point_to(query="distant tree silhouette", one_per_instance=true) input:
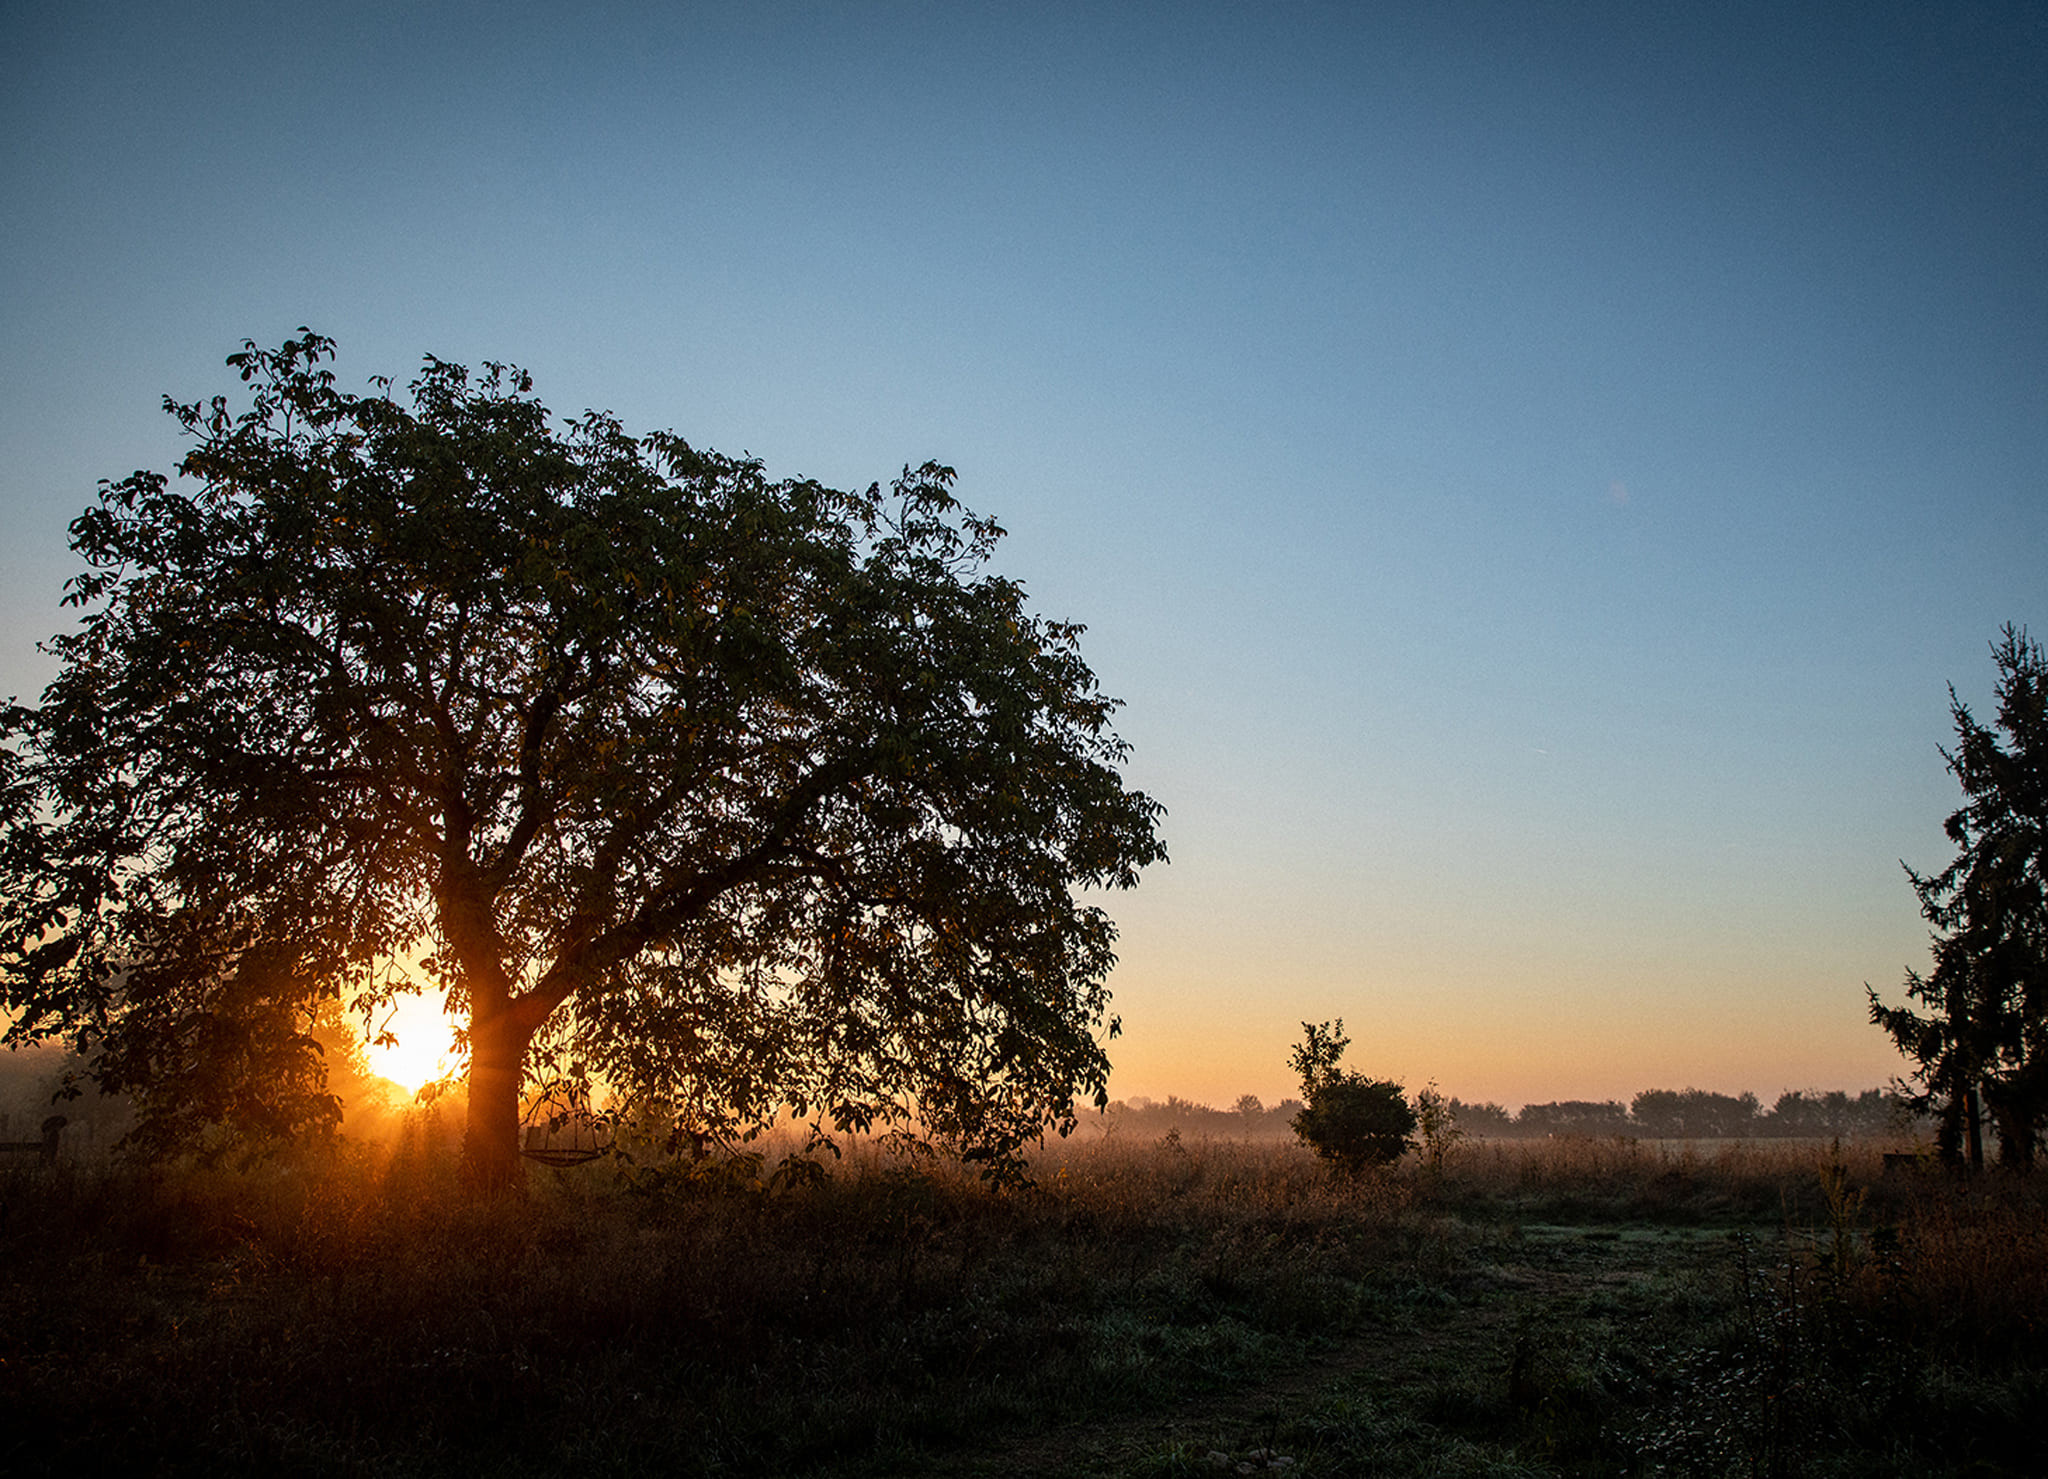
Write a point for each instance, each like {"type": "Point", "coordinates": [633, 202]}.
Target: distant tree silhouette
{"type": "Point", "coordinates": [738, 793]}
{"type": "Point", "coordinates": [1694, 1114]}
{"type": "Point", "coordinates": [1980, 1046]}
{"type": "Point", "coordinates": [1348, 1119]}
{"type": "Point", "coordinates": [1247, 1118]}
{"type": "Point", "coordinates": [1834, 1113]}
{"type": "Point", "coordinates": [1486, 1118]}
{"type": "Point", "coordinates": [1576, 1117]}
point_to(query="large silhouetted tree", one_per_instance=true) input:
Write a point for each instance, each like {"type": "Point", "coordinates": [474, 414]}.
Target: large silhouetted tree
{"type": "Point", "coordinates": [1980, 1047]}
{"type": "Point", "coordinates": [740, 794]}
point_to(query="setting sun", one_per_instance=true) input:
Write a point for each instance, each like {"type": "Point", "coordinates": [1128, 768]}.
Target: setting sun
{"type": "Point", "coordinates": [425, 1046]}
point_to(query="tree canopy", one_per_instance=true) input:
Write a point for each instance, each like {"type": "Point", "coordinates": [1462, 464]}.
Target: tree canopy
{"type": "Point", "coordinates": [736, 793]}
{"type": "Point", "coordinates": [1980, 1047]}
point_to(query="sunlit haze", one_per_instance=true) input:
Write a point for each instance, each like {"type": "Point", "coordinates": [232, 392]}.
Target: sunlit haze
{"type": "Point", "coordinates": [1531, 472]}
{"type": "Point", "coordinates": [423, 1048]}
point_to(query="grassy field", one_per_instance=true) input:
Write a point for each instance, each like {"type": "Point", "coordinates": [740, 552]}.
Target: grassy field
{"type": "Point", "coordinates": [1157, 1308]}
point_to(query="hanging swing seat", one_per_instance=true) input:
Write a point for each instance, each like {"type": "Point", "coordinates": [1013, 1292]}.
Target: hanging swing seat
{"type": "Point", "coordinates": [566, 1138]}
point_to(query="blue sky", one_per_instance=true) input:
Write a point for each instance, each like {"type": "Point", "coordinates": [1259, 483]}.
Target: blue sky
{"type": "Point", "coordinates": [1530, 471]}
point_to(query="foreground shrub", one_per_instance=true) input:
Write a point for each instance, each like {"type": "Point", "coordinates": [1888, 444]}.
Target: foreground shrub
{"type": "Point", "coordinates": [1350, 1120]}
{"type": "Point", "coordinates": [1354, 1122]}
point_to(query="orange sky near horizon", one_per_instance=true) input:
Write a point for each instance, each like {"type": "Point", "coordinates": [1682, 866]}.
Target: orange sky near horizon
{"type": "Point", "coordinates": [1551, 1044]}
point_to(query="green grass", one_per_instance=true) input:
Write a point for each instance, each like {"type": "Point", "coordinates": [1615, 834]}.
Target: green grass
{"type": "Point", "coordinates": [1201, 1308]}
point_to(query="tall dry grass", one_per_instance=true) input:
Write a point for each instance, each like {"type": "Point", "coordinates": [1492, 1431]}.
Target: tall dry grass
{"type": "Point", "coordinates": [689, 1318]}
{"type": "Point", "coordinates": [360, 1315]}
{"type": "Point", "coordinates": [1622, 1178]}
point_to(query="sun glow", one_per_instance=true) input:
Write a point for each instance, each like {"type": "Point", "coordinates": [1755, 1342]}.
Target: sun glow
{"type": "Point", "coordinates": [425, 1046]}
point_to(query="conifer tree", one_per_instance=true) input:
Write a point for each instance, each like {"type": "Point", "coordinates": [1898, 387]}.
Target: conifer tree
{"type": "Point", "coordinates": [1979, 1040]}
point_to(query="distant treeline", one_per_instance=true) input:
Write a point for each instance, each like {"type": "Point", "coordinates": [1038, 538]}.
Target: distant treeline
{"type": "Point", "coordinates": [1654, 1114]}
{"type": "Point", "coordinates": [28, 1077]}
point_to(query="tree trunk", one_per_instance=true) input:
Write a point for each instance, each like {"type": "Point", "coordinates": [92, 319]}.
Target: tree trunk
{"type": "Point", "coordinates": [1973, 1127]}
{"type": "Point", "coordinates": [490, 1144]}
{"type": "Point", "coordinates": [2015, 1131]}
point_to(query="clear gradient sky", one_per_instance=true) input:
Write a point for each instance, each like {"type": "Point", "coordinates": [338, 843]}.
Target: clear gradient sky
{"type": "Point", "coordinates": [1530, 470]}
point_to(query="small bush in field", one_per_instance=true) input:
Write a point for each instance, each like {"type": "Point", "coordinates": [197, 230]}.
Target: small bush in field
{"type": "Point", "coordinates": [1438, 1121]}
{"type": "Point", "coordinates": [1349, 1120]}
{"type": "Point", "coordinates": [1354, 1121]}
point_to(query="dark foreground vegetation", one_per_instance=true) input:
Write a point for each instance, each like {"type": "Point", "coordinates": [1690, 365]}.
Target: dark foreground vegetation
{"type": "Point", "coordinates": [1147, 1308]}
